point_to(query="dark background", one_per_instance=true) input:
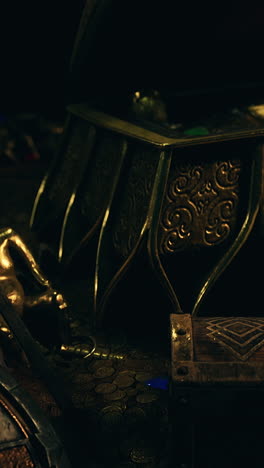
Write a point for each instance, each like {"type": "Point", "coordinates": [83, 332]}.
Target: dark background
{"type": "Point", "coordinates": [36, 40]}
{"type": "Point", "coordinates": [173, 45]}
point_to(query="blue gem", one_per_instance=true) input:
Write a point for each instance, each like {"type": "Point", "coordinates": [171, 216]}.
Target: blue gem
{"type": "Point", "coordinates": [159, 382]}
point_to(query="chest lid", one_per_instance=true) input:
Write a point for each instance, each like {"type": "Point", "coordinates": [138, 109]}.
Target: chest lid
{"type": "Point", "coordinates": [222, 350]}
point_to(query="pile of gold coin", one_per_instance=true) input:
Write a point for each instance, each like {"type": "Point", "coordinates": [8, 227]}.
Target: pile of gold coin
{"type": "Point", "coordinates": [129, 416]}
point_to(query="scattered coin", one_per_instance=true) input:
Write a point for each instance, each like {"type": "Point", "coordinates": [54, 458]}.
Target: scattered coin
{"type": "Point", "coordinates": [143, 376]}
{"type": "Point", "coordinates": [147, 397]}
{"type": "Point", "coordinates": [131, 391]}
{"type": "Point", "coordinates": [127, 372]}
{"type": "Point", "coordinates": [115, 396]}
{"type": "Point", "coordinates": [110, 408]}
{"type": "Point", "coordinates": [124, 381]}
{"type": "Point", "coordinates": [142, 455]}
{"type": "Point", "coordinates": [129, 405]}
{"type": "Point", "coordinates": [128, 444]}
{"type": "Point", "coordinates": [105, 388]}
{"type": "Point", "coordinates": [103, 372]}
{"type": "Point", "coordinates": [111, 417]}
{"type": "Point", "coordinates": [98, 363]}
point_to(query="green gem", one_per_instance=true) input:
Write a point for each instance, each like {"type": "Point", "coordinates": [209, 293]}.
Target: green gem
{"type": "Point", "coordinates": [197, 131]}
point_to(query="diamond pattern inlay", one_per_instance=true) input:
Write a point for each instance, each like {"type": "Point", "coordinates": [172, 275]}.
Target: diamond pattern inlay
{"type": "Point", "coordinates": [242, 336]}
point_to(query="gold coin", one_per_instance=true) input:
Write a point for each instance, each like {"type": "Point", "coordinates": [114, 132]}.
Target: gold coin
{"type": "Point", "coordinates": [110, 409]}
{"type": "Point", "coordinates": [143, 376]}
{"type": "Point", "coordinates": [115, 396]}
{"type": "Point", "coordinates": [98, 363]}
{"type": "Point", "coordinates": [105, 388]}
{"type": "Point", "coordinates": [127, 372]}
{"type": "Point", "coordinates": [131, 391]}
{"type": "Point", "coordinates": [126, 445]}
{"type": "Point", "coordinates": [142, 455]}
{"type": "Point", "coordinates": [111, 416]}
{"type": "Point", "coordinates": [103, 372]}
{"type": "Point", "coordinates": [124, 381]}
{"type": "Point", "coordinates": [147, 397]}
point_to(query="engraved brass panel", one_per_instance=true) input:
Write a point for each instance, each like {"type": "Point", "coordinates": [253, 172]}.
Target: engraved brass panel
{"type": "Point", "coordinates": [200, 207]}
{"type": "Point", "coordinates": [134, 204]}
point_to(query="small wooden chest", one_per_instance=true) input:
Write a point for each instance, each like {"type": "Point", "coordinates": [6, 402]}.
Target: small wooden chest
{"type": "Point", "coordinates": [217, 390]}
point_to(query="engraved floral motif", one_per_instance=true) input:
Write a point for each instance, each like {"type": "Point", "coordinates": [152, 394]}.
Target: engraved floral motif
{"type": "Point", "coordinates": [227, 173]}
{"type": "Point", "coordinates": [186, 181]}
{"type": "Point", "coordinates": [203, 198]}
{"type": "Point", "coordinates": [218, 226]}
{"type": "Point", "coordinates": [200, 205]}
{"type": "Point", "coordinates": [178, 221]}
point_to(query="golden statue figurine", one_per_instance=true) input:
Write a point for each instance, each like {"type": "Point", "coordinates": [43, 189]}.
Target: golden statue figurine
{"type": "Point", "coordinates": [12, 288]}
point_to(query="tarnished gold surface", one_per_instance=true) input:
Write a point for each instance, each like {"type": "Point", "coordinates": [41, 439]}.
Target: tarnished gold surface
{"type": "Point", "coordinates": [149, 106]}
{"type": "Point", "coordinates": [5, 331]}
{"type": "Point", "coordinates": [181, 336]}
{"type": "Point", "coordinates": [257, 111]}
{"type": "Point", "coordinates": [82, 350]}
{"type": "Point", "coordinates": [157, 139]}
{"type": "Point", "coordinates": [16, 457]}
{"type": "Point", "coordinates": [11, 287]}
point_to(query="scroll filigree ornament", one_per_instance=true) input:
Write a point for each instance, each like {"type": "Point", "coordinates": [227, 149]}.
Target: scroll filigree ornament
{"type": "Point", "coordinates": [200, 205]}
{"type": "Point", "coordinates": [178, 222]}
